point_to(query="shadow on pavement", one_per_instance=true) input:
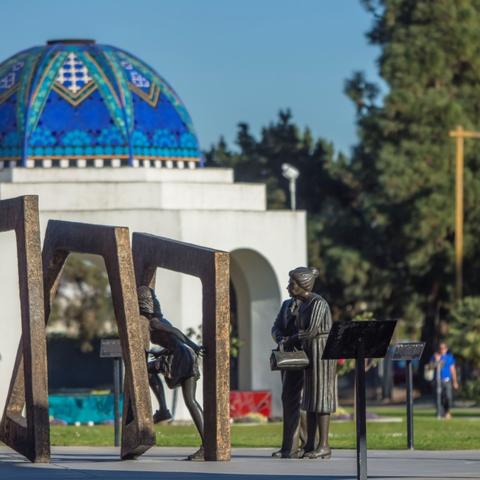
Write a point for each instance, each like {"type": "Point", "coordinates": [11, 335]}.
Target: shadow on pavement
{"type": "Point", "coordinates": [12, 471]}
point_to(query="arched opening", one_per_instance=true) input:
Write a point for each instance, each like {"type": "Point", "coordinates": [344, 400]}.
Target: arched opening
{"type": "Point", "coordinates": [256, 301]}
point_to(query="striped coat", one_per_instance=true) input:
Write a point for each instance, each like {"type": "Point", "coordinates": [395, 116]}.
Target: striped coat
{"type": "Point", "coordinates": [320, 382]}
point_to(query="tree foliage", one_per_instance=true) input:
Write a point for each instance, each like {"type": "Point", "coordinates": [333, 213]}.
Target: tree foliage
{"type": "Point", "coordinates": [381, 223]}
{"type": "Point", "coordinates": [464, 331]}
{"type": "Point", "coordinates": [431, 64]}
{"type": "Point", "coordinates": [325, 189]}
{"type": "Point", "coordinates": [83, 306]}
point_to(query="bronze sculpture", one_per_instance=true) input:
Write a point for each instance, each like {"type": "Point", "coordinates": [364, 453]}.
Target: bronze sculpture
{"type": "Point", "coordinates": [177, 362]}
{"type": "Point", "coordinates": [314, 322]}
{"type": "Point", "coordinates": [284, 327]}
{"type": "Point", "coordinates": [212, 267]}
{"type": "Point", "coordinates": [28, 434]}
{"type": "Point", "coordinates": [29, 384]}
{"type": "Point", "coordinates": [304, 322]}
{"type": "Point", "coordinates": [162, 414]}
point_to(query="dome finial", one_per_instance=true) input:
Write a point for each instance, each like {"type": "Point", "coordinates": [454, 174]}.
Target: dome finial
{"type": "Point", "coordinates": [71, 41]}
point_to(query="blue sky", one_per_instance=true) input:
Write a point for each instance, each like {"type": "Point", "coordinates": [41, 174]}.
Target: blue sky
{"type": "Point", "coordinates": [229, 61]}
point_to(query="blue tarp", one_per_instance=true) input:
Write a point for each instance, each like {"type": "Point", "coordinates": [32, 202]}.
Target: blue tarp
{"type": "Point", "coordinates": [82, 408]}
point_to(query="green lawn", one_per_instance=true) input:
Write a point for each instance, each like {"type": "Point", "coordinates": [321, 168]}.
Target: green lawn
{"type": "Point", "coordinates": [460, 433]}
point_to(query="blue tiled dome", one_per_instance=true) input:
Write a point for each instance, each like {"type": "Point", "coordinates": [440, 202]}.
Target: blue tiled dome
{"type": "Point", "coordinates": [74, 103]}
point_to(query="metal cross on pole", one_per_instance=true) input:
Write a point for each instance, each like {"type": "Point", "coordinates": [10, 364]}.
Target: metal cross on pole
{"type": "Point", "coordinates": [459, 134]}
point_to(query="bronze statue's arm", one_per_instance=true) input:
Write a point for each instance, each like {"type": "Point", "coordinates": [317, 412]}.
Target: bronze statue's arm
{"type": "Point", "coordinates": [167, 327]}
{"type": "Point", "coordinates": [320, 321]}
{"type": "Point", "coordinates": [278, 334]}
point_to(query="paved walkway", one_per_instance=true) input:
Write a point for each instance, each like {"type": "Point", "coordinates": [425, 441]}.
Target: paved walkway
{"type": "Point", "coordinates": [247, 464]}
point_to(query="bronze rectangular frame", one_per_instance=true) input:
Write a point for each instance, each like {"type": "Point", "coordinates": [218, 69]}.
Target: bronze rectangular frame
{"type": "Point", "coordinates": [212, 267]}
{"type": "Point", "coordinates": [29, 435]}
{"type": "Point", "coordinates": [113, 244]}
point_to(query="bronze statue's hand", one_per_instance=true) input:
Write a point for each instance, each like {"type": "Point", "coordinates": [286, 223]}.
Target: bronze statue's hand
{"type": "Point", "coordinates": [302, 334]}
{"type": "Point", "coordinates": [155, 353]}
{"type": "Point", "coordinates": [291, 341]}
{"type": "Point", "coordinates": [200, 350]}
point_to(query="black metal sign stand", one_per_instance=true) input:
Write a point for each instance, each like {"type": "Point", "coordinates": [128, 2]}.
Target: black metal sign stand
{"type": "Point", "coordinates": [359, 340]}
{"type": "Point", "coordinates": [111, 348]}
{"type": "Point", "coordinates": [409, 351]}
{"type": "Point", "coordinates": [409, 405]}
{"type": "Point", "coordinates": [361, 411]}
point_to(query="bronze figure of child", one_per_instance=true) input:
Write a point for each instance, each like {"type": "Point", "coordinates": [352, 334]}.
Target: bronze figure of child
{"type": "Point", "coordinates": [177, 362]}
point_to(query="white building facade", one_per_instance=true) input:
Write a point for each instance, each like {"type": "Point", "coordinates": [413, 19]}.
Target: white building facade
{"type": "Point", "coordinates": [203, 206]}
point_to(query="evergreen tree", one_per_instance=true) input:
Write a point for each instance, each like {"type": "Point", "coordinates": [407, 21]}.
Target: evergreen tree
{"type": "Point", "coordinates": [430, 61]}
{"type": "Point", "coordinates": [381, 224]}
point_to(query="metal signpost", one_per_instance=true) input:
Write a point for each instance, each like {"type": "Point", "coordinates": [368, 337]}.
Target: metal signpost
{"type": "Point", "coordinates": [409, 351]}
{"type": "Point", "coordinates": [111, 348]}
{"type": "Point", "coordinates": [359, 340]}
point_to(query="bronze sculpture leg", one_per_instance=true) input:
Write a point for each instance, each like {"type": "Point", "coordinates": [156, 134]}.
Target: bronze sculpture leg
{"type": "Point", "coordinates": [156, 384]}
{"type": "Point", "coordinates": [311, 431]}
{"type": "Point", "coordinates": [321, 422]}
{"type": "Point", "coordinates": [291, 397]}
{"type": "Point", "coordinates": [324, 425]}
{"type": "Point", "coordinates": [189, 387]}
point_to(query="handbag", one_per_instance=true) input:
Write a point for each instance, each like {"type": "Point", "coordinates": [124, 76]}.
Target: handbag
{"type": "Point", "coordinates": [281, 360]}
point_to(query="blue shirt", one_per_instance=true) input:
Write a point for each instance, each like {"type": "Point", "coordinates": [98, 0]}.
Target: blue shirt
{"type": "Point", "coordinates": [447, 361]}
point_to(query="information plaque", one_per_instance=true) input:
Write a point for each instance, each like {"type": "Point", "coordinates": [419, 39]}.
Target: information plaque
{"type": "Point", "coordinates": [408, 351]}
{"type": "Point", "coordinates": [110, 348]}
{"type": "Point", "coordinates": [359, 340]}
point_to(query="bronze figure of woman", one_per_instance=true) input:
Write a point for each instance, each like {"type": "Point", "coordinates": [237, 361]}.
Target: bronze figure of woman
{"type": "Point", "coordinates": [319, 383]}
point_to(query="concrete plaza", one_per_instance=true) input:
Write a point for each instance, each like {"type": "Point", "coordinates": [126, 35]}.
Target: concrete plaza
{"type": "Point", "coordinates": [247, 463]}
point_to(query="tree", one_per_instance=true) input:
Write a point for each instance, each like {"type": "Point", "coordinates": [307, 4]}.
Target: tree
{"type": "Point", "coordinates": [463, 335]}
{"type": "Point", "coordinates": [464, 331]}
{"type": "Point", "coordinates": [403, 162]}
{"type": "Point", "coordinates": [326, 189]}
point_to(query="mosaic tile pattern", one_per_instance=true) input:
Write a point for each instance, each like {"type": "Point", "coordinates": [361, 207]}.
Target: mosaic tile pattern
{"type": "Point", "coordinates": [73, 75]}
{"type": "Point", "coordinates": [85, 104]}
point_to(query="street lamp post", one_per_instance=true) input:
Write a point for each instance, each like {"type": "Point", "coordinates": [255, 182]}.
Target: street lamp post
{"type": "Point", "coordinates": [291, 174]}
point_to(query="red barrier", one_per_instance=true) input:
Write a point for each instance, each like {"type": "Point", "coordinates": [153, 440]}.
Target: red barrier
{"type": "Point", "coordinates": [245, 402]}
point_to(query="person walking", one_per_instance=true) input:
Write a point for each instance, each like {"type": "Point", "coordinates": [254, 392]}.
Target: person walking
{"type": "Point", "coordinates": [448, 378]}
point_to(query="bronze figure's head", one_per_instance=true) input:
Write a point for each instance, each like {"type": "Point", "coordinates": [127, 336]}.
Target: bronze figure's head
{"type": "Point", "coordinates": [302, 280]}
{"type": "Point", "coordinates": [147, 301]}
